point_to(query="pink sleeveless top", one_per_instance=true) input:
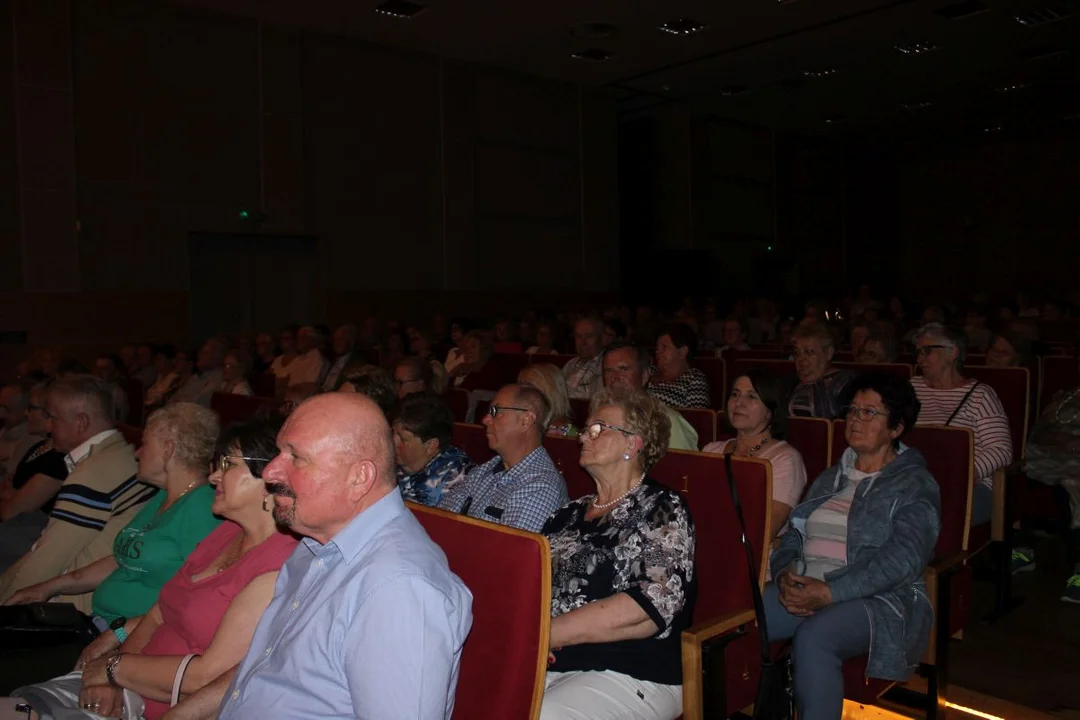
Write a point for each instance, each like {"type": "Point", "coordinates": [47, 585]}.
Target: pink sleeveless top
{"type": "Point", "coordinates": [193, 610]}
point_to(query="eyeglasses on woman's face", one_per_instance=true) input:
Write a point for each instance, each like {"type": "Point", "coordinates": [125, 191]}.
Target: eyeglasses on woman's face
{"type": "Point", "coordinates": [866, 414]}
{"type": "Point", "coordinates": [594, 428]}
{"type": "Point", "coordinates": [925, 350]}
{"type": "Point", "coordinates": [224, 462]}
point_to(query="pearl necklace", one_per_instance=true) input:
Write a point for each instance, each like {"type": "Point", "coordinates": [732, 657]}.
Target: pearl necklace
{"type": "Point", "coordinates": [605, 506]}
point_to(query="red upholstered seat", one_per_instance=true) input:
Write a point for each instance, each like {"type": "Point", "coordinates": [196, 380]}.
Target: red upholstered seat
{"type": "Point", "coordinates": [812, 437]}
{"type": "Point", "coordinates": [1013, 388]}
{"type": "Point", "coordinates": [131, 433]}
{"type": "Point", "coordinates": [715, 370]}
{"type": "Point", "coordinates": [1058, 373]}
{"type": "Point", "coordinates": [473, 440]}
{"type": "Point", "coordinates": [233, 408]}
{"type": "Point", "coordinates": [508, 571]}
{"type": "Point", "coordinates": [720, 566]}
{"type": "Point", "coordinates": [704, 421]}
{"type": "Point", "coordinates": [566, 454]}
{"type": "Point", "coordinates": [458, 400]}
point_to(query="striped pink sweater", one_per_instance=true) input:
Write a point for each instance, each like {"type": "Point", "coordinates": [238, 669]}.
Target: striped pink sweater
{"type": "Point", "coordinates": [982, 413]}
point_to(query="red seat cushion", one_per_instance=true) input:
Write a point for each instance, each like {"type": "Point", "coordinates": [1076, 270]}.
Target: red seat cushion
{"type": "Point", "coordinates": [473, 440]}
{"type": "Point", "coordinates": [234, 408]}
{"type": "Point", "coordinates": [508, 572]}
{"type": "Point", "coordinates": [811, 437]}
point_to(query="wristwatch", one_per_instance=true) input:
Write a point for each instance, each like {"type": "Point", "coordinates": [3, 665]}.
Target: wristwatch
{"type": "Point", "coordinates": [110, 668]}
{"type": "Point", "coordinates": [117, 626]}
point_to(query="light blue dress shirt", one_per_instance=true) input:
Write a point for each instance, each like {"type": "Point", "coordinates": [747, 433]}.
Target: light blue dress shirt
{"type": "Point", "coordinates": [370, 625]}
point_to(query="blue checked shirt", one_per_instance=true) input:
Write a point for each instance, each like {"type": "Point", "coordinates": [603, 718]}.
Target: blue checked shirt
{"type": "Point", "coordinates": [369, 625]}
{"type": "Point", "coordinates": [522, 497]}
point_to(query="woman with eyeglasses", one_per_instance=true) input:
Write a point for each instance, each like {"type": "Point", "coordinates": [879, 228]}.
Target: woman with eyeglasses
{"type": "Point", "coordinates": [949, 398]}
{"type": "Point", "coordinates": [235, 372]}
{"type": "Point", "coordinates": [820, 386]}
{"type": "Point", "coordinates": [848, 574]}
{"type": "Point", "coordinates": [202, 623]}
{"type": "Point", "coordinates": [622, 573]}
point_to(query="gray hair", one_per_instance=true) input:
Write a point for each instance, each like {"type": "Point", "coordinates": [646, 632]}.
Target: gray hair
{"type": "Point", "coordinates": [90, 391]}
{"type": "Point", "coordinates": [946, 336]}
{"type": "Point", "coordinates": [192, 429]}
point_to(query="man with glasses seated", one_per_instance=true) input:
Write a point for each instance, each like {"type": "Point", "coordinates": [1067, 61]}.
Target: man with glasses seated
{"type": "Point", "coordinates": [412, 375]}
{"type": "Point", "coordinates": [520, 486]}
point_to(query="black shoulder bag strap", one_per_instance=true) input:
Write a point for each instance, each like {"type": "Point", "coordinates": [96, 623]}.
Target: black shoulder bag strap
{"type": "Point", "coordinates": [773, 701]}
{"type": "Point", "coordinates": [962, 402]}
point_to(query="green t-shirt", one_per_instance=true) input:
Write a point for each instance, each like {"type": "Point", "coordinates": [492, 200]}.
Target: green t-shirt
{"type": "Point", "coordinates": [151, 549]}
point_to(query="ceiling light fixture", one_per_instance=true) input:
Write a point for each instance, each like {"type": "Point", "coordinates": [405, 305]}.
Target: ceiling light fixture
{"type": "Point", "coordinates": [683, 26]}
{"type": "Point", "coordinates": [992, 129]}
{"type": "Point", "coordinates": [820, 73]}
{"type": "Point", "coordinates": [920, 47]}
{"type": "Point", "coordinates": [593, 55]}
{"type": "Point", "coordinates": [919, 105]}
{"type": "Point", "coordinates": [400, 9]}
{"type": "Point", "coordinates": [1042, 16]}
{"type": "Point", "coordinates": [835, 119]}
{"type": "Point", "coordinates": [1011, 88]}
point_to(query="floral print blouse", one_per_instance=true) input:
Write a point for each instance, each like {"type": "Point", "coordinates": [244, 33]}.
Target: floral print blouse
{"type": "Point", "coordinates": [643, 547]}
{"type": "Point", "coordinates": [440, 474]}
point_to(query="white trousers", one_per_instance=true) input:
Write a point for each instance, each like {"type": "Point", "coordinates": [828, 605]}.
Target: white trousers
{"type": "Point", "coordinates": [608, 696]}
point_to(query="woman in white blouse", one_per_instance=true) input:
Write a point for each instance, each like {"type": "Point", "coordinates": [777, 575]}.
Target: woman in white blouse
{"type": "Point", "coordinates": [235, 371]}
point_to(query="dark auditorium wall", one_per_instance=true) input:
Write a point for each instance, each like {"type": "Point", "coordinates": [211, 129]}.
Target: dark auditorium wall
{"type": "Point", "coordinates": [729, 208]}
{"type": "Point", "coordinates": [1001, 212]}
{"type": "Point", "coordinates": [130, 124]}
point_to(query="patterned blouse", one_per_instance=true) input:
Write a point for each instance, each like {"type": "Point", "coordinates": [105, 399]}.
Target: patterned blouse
{"type": "Point", "coordinates": [689, 390]}
{"type": "Point", "coordinates": [643, 547]}
{"type": "Point", "coordinates": [442, 472]}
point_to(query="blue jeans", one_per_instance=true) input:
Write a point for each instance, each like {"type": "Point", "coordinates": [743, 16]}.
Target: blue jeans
{"type": "Point", "coordinates": [821, 643]}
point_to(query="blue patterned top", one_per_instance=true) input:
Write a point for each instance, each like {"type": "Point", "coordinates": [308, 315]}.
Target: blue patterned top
{"type": "Point", "coordinates": [442, 472]}
{"type": "Point", "coordinates": [522, 496]}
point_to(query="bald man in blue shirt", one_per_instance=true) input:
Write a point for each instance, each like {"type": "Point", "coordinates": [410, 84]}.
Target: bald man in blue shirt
{"type": "Point", "coordinates": [367, 620]}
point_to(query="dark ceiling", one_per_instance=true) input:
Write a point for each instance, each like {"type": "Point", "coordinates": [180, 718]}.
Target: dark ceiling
{"type": "Point", "coordinates": [751, 64]}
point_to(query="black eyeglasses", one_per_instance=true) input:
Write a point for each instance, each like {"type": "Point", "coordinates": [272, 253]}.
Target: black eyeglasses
{"type": "Point", "coordinates": [865, 414]}
{"type": "Point", "coordinates": [593, 429]}
{"type": "Point", "coordinates": [926, 349]}
{"type": "Point", "coordinates": [494, 410]}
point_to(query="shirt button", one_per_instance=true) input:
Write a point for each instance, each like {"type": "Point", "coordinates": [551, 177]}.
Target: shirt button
{"type": "Point", "coordinates": [296, 604]}
{"type": "Point", "coordinates": [235, 694]}
{"type": "Point", "coordinates": [267, 651]}
{"type": "Point", "coordinates": [319, 563]}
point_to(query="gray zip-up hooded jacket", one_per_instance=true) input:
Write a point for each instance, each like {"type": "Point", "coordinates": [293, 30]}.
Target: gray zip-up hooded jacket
{"type": "Point", "coordinates": [892, 528]}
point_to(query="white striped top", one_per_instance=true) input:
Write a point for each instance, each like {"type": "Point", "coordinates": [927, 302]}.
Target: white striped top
{"type": "Point", "coordinates": [982, 413]}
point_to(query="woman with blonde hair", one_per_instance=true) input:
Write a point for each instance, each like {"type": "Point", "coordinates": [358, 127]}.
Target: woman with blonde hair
{"type": "Point", "coordinates": [551, 383]}
{"type": "Point", "coordinates": [622, 573]}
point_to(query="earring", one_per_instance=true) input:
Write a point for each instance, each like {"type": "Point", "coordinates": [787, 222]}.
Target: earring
{"type": "Point", "coordinates": [626, 456]}
{"type": "Point", "coordinates": [265, 506]}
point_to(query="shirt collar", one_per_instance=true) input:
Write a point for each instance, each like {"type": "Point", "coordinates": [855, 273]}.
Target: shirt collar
{"type": "Point", "coordinates": [539, 455]}
{"type": "Point", "coordinates": [361, 529]}
{"type": "Point", "coordinates": [80, 453]}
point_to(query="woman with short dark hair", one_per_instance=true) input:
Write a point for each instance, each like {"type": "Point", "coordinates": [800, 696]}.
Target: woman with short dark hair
{"type": "Point", "coordinates": [427, 464]}
{"type": "Point", "coordinates": [755, 409]}
{"type": "Point", "coordinates": [849, 571]}
{"type": "Point", "coordinates": [676, 383]}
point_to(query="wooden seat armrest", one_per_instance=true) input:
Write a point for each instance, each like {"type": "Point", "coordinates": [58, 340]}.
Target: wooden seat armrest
{"type": "Point", "coordinates": [946, 562]}
{"type": "Point", "coordinates": [692, 640]}
{"type": "Point", "coordinates": [715, 627]}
